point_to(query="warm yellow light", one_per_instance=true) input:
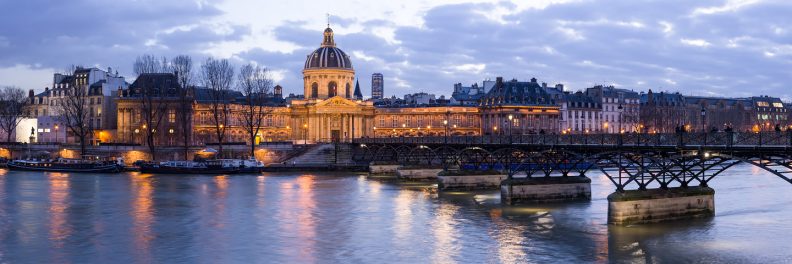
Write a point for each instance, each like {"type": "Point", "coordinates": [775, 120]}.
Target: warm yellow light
{"type": "Point", "coordinates": [144, 126]}
{"type": "Point", "coordinates": [430, 127]}
{"type": "Point", "coordinates": [495, 128]}
{"type": "Point", "coordinates": [305, 125]}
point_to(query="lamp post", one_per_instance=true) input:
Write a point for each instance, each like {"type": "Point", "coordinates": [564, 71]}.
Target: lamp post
{"type": "Point", "coordinates": [305, 134]}
{"type": "Point", "coordinates": [170, 132]}
{"type": "Point", "coordinates": [56, 133]}
{"type": "Point", "coordinates": [137, 131]}
{"type": "Point", "coordinates": [375, 132]}
{"type": "Point", "coordinates": [511, 117]}
{"type": "Point", "coordinates": [620, 108]}
{"type": "Point", "coordinates": [445, 123]}
{"type": "Point", "coordinates": [703, 119]}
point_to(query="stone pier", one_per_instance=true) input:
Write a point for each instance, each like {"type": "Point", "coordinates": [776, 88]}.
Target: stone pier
{"type": "Point", "coordinates": [418, 172]}
{"type": "Point", "coordinates": [658, 205]}
{"type": "Point", "coordinates": [382, 168]}
{"type": "Point", "coordinates": [469, 180]}
{"type": "Point", "coordinates": [545, 189]}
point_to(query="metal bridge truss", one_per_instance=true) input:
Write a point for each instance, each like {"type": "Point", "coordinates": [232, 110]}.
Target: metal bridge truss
{"type": "Point", "coordinates": [627, 168]}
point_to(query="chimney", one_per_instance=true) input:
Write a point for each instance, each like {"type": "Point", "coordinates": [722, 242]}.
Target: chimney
{"type": "Point", "coordinates": [544, 85]}
{"type": "Point", "coordinates": [498, 81]}
{"type": "Point", "coordinates": [559, 87]}
{"type": "Point", "coordinates": [31, 93]}
{"type": "Point", "coordinates": [533, 80]}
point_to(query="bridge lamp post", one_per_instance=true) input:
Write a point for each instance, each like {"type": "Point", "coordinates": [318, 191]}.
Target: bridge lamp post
{"type": "Point", "coordinates": [445, 123]}
{"type": "Point", "coordinates": [56, 133]}
{"type": "Point", "coordinates": [703, 119]}
{"type": "Point", "coordinates": [375, 132]}
{"type": "Point", "coordinates": [620, 108]}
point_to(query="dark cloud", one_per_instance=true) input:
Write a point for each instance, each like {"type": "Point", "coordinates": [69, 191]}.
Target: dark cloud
{"type": "Point", "coordinates": [55, 34]}
{"type": "Point", "coordinates": [639, 44]}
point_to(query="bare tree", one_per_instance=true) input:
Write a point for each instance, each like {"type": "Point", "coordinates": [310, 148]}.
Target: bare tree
{"type": "Point", "coordinates": [182, 66]}
{"type": "Point", "coordinates": [75, 112]}
{"type": "Point", "coordinates": [154, 101]}
{"type": "Point", "coordinates": [218, 76]}
{"type": "Point", "coordinates": [147, 63]}
{"type": "Point", "coordinates": [254, 83]}
{"type": "Point", "coordinates": [12, 102]}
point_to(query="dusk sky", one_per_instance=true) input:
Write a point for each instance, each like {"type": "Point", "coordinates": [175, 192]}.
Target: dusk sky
{"type": "Point", "coordinates": [715, 48]}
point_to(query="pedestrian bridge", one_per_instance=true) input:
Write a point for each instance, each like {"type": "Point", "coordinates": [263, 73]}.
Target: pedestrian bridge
{"type": "Point", "coordinates": [632, 161]}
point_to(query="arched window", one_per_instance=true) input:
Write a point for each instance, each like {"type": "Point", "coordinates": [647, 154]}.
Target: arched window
{"type": "Point", "coordinates": [332, 89]}
{"type": "Point", "coordinates": [314, 90]}
{"type": "Point", "coordinates": [348, 94]}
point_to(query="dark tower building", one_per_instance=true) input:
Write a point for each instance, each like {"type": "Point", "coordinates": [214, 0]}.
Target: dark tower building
{"type": "Point", "coordinates": [377, 86]}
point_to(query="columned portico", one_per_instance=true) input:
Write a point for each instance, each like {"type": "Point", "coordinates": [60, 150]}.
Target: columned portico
{"type": "Point", "coordinates": [333, 119]}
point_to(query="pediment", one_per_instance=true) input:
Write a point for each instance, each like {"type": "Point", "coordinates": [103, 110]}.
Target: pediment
{"type": "Point", "coordinates": [336, 102]}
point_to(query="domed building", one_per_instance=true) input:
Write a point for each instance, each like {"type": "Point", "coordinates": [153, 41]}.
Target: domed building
{"type": "Point", "coordinates": [328, 112]}
{"type": "Point", "coordinates": [328, 71]}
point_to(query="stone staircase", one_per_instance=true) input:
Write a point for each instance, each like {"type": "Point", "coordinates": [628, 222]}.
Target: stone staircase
{"type": "Point", "coordinates": [324, 155]}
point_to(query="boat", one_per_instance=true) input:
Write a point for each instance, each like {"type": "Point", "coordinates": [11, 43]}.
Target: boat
{"type": "Point", "coordinates": [217, 166]}
{"type": "Point", "coordinates": [67, 165]}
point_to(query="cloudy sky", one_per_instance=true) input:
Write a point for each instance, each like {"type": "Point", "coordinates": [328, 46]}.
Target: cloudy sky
{"type": "Point", "coordinates": [703, 47]}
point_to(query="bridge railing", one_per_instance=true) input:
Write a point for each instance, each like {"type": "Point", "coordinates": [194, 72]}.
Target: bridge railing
{"type": "Point", "coordinates": [625, 139]}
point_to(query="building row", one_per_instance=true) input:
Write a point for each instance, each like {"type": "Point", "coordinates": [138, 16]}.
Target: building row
{"type": "Point", "coordinates": [330, 109]}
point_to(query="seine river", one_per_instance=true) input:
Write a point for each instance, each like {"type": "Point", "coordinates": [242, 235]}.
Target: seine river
{"type": "Point", "coordinates": [347, 218]}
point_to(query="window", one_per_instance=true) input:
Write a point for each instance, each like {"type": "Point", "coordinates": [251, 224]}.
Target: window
{"type": "Point", "coordinates": [779, 105]}
{"type": "Point", "coordinates": [762, 104]}
{"type": "Point", "coordinates": [394, 121]}
{"type": "Point", "coordinates": [332, 89]}
{"type": "Point", "coordinates": [420, 121]}
{"type": "Point", "coordinates": [382, 121]}
{"type": "Point", "coordinates": [172, 115]}
{"type": "Point", "coordinates": [314, 90]}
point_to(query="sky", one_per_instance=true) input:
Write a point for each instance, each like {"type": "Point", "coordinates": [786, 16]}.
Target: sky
{"type": "Point", "coordinates": [732, 48]}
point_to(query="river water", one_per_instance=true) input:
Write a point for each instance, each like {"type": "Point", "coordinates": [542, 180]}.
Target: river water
{"type": "Point", "coordinates": [348, 218]}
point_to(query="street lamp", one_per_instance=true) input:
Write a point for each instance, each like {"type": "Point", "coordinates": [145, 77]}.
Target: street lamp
{"type": "Point", "coordinates": [510, 124]}
{"type": "Point", "coordinates": [56, 133]}
{"type": "Point", "coordinates": [703, 119]}
{"type": "Point", "coordinates": [137, 131]}
{"type": "Point", "coordinates": [445, 123]}
{"type": "Point", "coordinates": [375, 132]}
{"type": "Point", "coordinates": [620, 108]}
{"type": "Point", "coordinates": [305, 133]}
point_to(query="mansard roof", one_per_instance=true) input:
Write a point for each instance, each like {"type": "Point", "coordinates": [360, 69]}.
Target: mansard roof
{"type": "Point", "coordinates": [517, 93]}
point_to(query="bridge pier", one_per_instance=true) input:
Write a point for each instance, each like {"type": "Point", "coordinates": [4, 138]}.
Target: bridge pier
{"type": "Point", "coordinates": [659, 205]}
{"type": "Point", "coordinates": [545, 189]}
{"type": "Point", "coordinates": [469, 180]}
{"type": "Point", "coordinates": [383, 168]}
{"type": "Point", "coordinates": [418, 172]}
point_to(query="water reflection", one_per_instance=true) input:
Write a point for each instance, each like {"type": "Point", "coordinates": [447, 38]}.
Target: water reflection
{"type": "Point", "coordinates": [295, 218]}
{"type": "Point", "coordinates": [445, 246]}
{"type": "Point", "coordinates": [142, 213]}
{"type": "Point", "coordinates": [59, 202]}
